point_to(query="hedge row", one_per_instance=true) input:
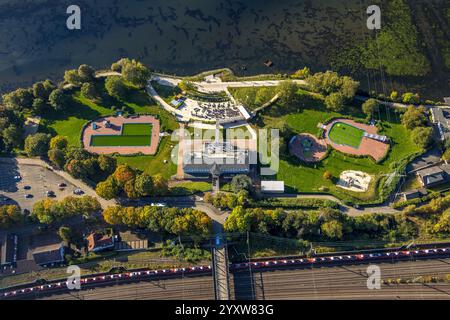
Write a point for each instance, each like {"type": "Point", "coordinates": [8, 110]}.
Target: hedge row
{"type": "Point", "coordinates": [294, 203]}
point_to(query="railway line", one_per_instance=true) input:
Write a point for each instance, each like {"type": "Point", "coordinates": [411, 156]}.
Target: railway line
{"type": "Point", "coordinates": [312, 282]}
{"type": "Point", "coordinates": [295, 277]}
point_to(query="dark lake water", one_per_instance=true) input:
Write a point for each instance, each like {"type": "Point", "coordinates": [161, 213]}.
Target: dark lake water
{"type": "Point", "coordinates": [184, 37]}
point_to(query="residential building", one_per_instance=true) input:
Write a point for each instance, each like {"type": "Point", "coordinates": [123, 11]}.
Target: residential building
{"type": "Point", "coordinates": [98, 242]}
{"type": "Point", "coordinates": [49, 255]}
{"type": "Point", "coordinates": [434, 176]}
{"type": "Point", "coordinates": [8, 249]}
{"type": "Point", "coordinates": [441, 118]}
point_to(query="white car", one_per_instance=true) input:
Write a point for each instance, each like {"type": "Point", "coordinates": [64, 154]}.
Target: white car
{"type": "Point", "coordinates": [78, 191]}
{"type": "Point", "coordinates": [157, 204]}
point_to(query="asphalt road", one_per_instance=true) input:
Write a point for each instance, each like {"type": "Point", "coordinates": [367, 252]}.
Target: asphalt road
{"type": "Point", "coordinates": [337, 282]}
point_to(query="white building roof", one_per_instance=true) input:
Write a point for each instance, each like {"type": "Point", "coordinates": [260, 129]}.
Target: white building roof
{"type": "Point", "coordinates": [272, 186]}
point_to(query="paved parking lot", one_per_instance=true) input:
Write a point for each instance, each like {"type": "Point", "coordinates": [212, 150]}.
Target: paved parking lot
{"type": "Point", "coordinates": [39, 179]}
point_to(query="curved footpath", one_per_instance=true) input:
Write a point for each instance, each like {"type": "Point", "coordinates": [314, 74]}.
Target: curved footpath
{"type": "Point", "coordinates": [190, 201]}
{"type": "Point", "coordinates": [343, 207]}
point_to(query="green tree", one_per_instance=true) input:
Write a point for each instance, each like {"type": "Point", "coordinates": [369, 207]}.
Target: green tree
{"type": "Point", "coordinates": [241, 182]}
{"type": "Point", "coordinates": [394, 95]}
{"type": "Point", "coordinates": [58, 142]}
{"type": "Point", "coordinates": [144, 184]}
{"type": "Point", "coordinates": [414, 117]}
{"type": "Point", "coordinates": [411, 98]}
{"type": "Point", "coordinates": [160, 185]}
{"type": "Point", "coordinates": [446, 155]}
{"type": "Point", "coordinates": [117, 66]}
{"type": "Point", "coordinates": [10, 216]}
{"type": "Point", "coordinates": [76, 169]}
{"type": "Point", "coordinates": [301, 73]}
{"type": "Point", "coordinates": [349, 87]}
{"type": "Point", "coordinates": [186, 86]}
{"type": "Point", "coordinates": [136, 73]}
{"type": "Point", "coordinates": [115, 87]}
{"type": "Point", "coordinates": [39, 91]}
{"type": "Point", "coordinates": [108, 189]}
{"type": "Point", "coordinates": [335, 102]}
{"type": "Point", "coordinates": [65, 233]}
{"type": "Point", "coordinates": [124, 173]}
{"type": "Point", "coordinates": [107, 163]}
{"type": "Point", "coordinates": [57, 157]}
{"type": "Point", "coordinates": [370, 106]}
{"type": "Point", "coordinates": [333, 229]}
{"type": "Point", "coordinates": [422, 136]}
{"type": "Point", "coordinates": [12, 136]}
{"type": "Point", "coordinates": [19, 99]}
{"type": "Point", "coordinates": [37, 144]}
{"type": "Point", "coordinates": [72, 77]}
{"type": "Point", "coordinates": [287, 91]}
{"type": "Point", "coordinates": [59, 100]}
{"type": "Point", "coordinates": [39, 106]}
{"type": "Point", "coordinates": [88, 91]}
{"type": "Point", "coordinates": [86, 73]}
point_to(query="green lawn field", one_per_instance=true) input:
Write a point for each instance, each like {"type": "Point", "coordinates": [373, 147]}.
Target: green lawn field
{"type": "Point", "coordinates": [69, 123]}
{"type": "Point", "coordinates": [133, 135]}
{"type": "Point", "coordinates": [120, 141]}
{"type": "Point", "coordinates": [345, 134]}
{"type": "Point", "coordinates": [303, 117]}
{"type": "Point", "coordinates": [136, 129]}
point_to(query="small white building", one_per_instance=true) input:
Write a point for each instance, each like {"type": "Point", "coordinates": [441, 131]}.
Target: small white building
{"type": "Point", "coordinates": [272, 186]}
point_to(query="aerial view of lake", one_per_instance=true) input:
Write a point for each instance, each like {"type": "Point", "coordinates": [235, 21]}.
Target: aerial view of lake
{"type": "Point", "coordinates": [186, 37]}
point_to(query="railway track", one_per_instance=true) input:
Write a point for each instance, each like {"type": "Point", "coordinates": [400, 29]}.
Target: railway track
{"type": "Point", "coordinates": [312, 275]}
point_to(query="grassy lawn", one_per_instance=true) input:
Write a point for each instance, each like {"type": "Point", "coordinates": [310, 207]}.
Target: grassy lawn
{"type": "Point", "coordinates": [133, 134]}
{"type": "Point", "coordinates": [190, 187]}
{"type": "Point", "coordinates": [120, 141]}
{"type": "Point", "coordinates": [345, 134]}
{"type": "Point", "coordinates": [304, 117]}
{"type": "Point", "coordinates": [168, 93]}
{"type": "Point", "coordinates": [70, 122]}
{"type": "Point", "coordinates": [136, 129]}
{"type": "Point", "coordinates": [253, 97]}
{"type": "Point", "coordinates": [154, 164]}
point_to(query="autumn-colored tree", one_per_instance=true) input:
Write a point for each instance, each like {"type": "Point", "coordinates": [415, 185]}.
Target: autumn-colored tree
{"type": "Point", "coordinates": [58, 142]}
{"type": "Point", "coordinates": [160, 185]}
{"type": "Point", "coordinates": [107, 189]}
{"type": "Point", "coordinates": [123, 174]}
{"type": "Point", "coordinates": [10, 215]}
{"type": "Point", "coordinates": [327, 175]}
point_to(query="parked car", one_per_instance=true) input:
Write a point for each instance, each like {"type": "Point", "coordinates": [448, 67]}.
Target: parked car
{"type": "Point", "coordinates": [28, 196]}
{"type": "Point", "coordinates": [18, 177]}
{"type": "Point", "coordinates": [78, 191]}
{"type": "Point", "coordinates": [62, 185]}
{"type": "Point", "coordinates": [26, 187]}
{"type": "Point", "coordinates": [49, 193]}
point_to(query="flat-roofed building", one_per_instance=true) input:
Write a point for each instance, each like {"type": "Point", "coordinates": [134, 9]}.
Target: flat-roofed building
{"type": "Point", "coordinates": [435, 175]}
{"type": "Point", "coordinates": [8, 249]}
{"type": "Point", "coordinates": [272, 186]}
{"type": "Point", "coordinates": [441, 118]}
{"type": "Point", "coordinates": [49, 255]}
